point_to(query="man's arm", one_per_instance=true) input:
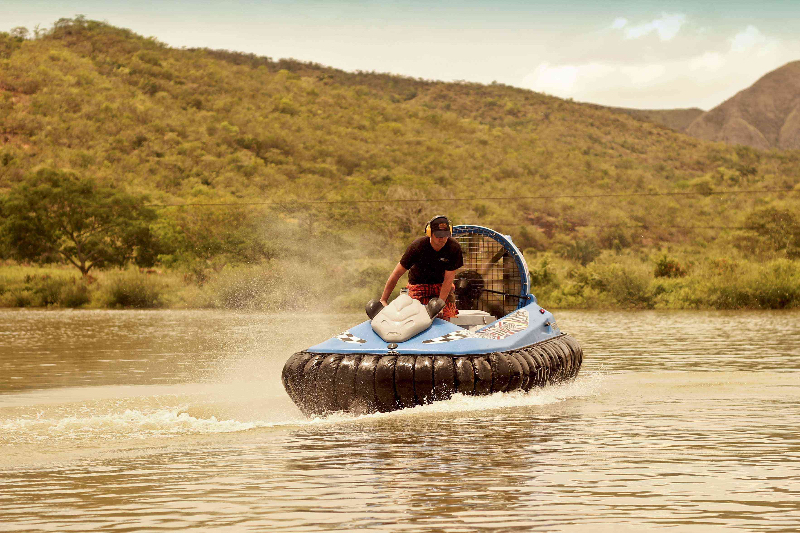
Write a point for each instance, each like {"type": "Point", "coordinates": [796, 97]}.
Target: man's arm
{"type": "Point", "coordinates": [398, 271]}
{"type": "Point", "coordinates": [447, 284]}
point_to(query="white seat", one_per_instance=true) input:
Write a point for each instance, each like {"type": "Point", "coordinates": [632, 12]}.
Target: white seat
{"type": "Point", "coordinates": [403, 318]}
{"type": "Point", "coordinates": [469, 318]}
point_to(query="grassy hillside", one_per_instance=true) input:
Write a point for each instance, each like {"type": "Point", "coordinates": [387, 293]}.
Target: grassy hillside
{"type": "Point", "coordinates": [676, 119]}
{"type": "Point", "coordinates": [203, 126]}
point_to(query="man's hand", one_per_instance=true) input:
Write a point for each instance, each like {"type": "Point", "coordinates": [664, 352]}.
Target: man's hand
{"type": "Point", "coordinates": [447, 285]}
{"type": "Point", "coordinates": [398, 271]}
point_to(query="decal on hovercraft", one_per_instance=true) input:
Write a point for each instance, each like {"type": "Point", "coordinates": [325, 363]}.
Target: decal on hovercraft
{"type": "Point", "coordinates": [514, 323]}
{"type": "Point", "coordinates": [505, 327]}
{"type": "Point", "coordinates": [349, 337]}
{"type": "Point", "coordinates": [452, 336]}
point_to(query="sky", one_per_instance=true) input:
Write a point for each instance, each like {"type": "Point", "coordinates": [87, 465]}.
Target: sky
{"type": "Point", "coordinates": [643, 54]}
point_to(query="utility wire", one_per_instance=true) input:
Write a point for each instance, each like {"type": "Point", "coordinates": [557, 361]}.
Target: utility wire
{"type": "Point", "coordinates": [624, 226]}
{"type": "Point", "coordinates": [473, 199]}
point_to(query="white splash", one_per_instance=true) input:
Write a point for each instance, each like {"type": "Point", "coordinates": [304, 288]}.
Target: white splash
{"type": "Point", "coordinates": [585, 385]}
{"type": "Point", "coordinates": [132, 423]}
{"type": "Point", "coordinates": [143, 423]}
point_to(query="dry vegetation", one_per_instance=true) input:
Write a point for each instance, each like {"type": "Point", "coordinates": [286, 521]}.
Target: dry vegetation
{"type": "Point", "coordinates": [203, 126]}
{"type": "Point", "coordinates": [676, 119]}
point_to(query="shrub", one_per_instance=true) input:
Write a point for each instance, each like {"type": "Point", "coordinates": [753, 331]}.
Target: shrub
{"type": "Point", "coordinates": [582, 251]}
{"type": "Point", "coordinates": [542, 274]}
{"type": "Point", "coordinates": [703, 185]}
{"type": "Point", "coordinates": [771, 230]}
{"type": "Point", "coordinates": [615, 238]}
{"type": "Point", "coordinates": [668, 268]}
{"type": "Point", "coordinates": [75, 294]}
{"type": "Point", "coordinates": [775, 285]}
{"type": "Point", "coordinates": [46, 289]}
{"type": "Point", "coordinates": [530, 239]}
{"type": "Point", "coordinates": [133, 289]}
{"type": "Point", "coordinates": [16, 298]}
{"type": "Point", "coordinates": [281, 285]}
{"type": "Point", "coordinates": [676, 293]}
{"type": "Point", "coordinates": [626, 285]}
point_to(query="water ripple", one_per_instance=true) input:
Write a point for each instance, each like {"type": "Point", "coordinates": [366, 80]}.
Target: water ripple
{"type": "Point", "coordinates": [686, 421]}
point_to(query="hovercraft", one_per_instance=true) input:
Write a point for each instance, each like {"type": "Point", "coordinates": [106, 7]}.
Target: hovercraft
{"type": "Point", "coordinates": [501, 341]}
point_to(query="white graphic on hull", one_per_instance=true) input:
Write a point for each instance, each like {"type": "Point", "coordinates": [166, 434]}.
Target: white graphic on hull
{"type": "Point", "coordinates": [349, 337]}
{"type": "Point", "coordinates": [505, 327]}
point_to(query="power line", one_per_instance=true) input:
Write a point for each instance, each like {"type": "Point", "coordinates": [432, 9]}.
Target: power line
{"type": "Point", "coordinates": [624, 226]}
{"type": "Point", "coordinates": [473, 199]}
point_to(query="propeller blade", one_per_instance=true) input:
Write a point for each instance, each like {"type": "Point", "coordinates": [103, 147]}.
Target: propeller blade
{"type": "Point", "coordinates": [495, 258]}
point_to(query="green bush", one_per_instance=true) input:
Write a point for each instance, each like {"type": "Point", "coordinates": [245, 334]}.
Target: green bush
{"type": "Point", "coordinates": [133, 289]}
{"type": "Point", "coordinates": [17, 298]}
{"type": "Point", "coordinates": [668, 268]}
{"type": "Point", "coordinates": [623, 285]}
{"type": "Point", "coordinates": [771, 230]}
{"type": "Point", "coordinates": [676, 293]}
{"type": "Point", "coordinates": [775, 285]}
{"type": "Point", "coordinates": [75, 294]}
{"type": "Point", "coordinates": [52, 288]}
{"type": "Point", "coordinates": [46, 289]}
{"type": "Point", "coordinates": [615, 238]}
{"type": "Point", "coordinates": [542, 274]}
{"type": "Point", "coordinates": [583, 251]}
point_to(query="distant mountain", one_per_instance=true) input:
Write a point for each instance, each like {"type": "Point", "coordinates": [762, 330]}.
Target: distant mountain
{"type": "Point", "coordinates": [765, 115]}
{"type": "Point", "coordinates": [676, 119]}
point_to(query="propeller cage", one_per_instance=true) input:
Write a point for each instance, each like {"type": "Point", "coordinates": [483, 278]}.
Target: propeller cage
{"type": "Point", "coordinates": [494, 277]}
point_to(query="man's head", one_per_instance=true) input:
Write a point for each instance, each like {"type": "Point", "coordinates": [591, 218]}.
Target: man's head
{"type": "Point", "coordinates": [439, 226]}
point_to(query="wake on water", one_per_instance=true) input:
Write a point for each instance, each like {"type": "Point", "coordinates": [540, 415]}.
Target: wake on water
{"type": "Point", "coordinates": [216, 409]}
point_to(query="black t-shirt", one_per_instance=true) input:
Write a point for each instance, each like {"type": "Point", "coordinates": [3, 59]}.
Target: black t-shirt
{"type": "Point", "coordinates": [425, 265]}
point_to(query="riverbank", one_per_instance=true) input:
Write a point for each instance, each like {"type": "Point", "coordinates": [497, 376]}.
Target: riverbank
{"type": "Point", "coordinates": [612, 281]}
{"type": "Point", "coordinates": [272, 286]}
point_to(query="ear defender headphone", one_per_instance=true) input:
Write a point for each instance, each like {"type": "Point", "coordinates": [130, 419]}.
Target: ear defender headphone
{"type": "Point", "coordinates": [428, 225]}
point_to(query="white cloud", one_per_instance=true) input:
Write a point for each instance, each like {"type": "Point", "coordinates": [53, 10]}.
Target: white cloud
{"type": "Point", "coordinates": [573, 80]}
{"type": "Point", "coordinates": [667, 27]}
{"type": "Point", "coordinates": [692, 70]}
{"type": "Point", "coordinates": [643, 74]}
{"type": "Point", "coordinates": [708, 61]}
{"type": "Point", "coordinates": [619, 23]}
{"type": "Point", "coordinates": [747, 39]}
{"type": "Point", "coordinates": [555, 79]}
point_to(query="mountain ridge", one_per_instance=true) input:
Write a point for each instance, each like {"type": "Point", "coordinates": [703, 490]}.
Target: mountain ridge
{"type": "Point", "coordinates": [765, 115]}
{"type": "Point", "coordinates": [676, 119]}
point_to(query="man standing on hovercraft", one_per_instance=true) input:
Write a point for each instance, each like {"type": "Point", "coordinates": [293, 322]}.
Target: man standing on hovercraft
{"type": "Point", "coordinates": [431, 262]}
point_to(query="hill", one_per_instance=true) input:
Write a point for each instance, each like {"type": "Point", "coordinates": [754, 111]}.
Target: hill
{"type": "Point", "coordinates": [676, 119]}
{"type": "Point", "coordinates": [299, 160]}
{"type": "Point", "coordinates": [765, 115]}
{"type": "Point", "coordinates": [200, 124]}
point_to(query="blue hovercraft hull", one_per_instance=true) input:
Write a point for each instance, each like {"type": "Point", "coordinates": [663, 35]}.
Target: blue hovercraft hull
{"type": "Point", "coordinates": [356, 371]}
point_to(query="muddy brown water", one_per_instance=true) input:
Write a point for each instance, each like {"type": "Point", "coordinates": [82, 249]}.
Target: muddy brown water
{"type": "Point", "coordinates": [173, 420]}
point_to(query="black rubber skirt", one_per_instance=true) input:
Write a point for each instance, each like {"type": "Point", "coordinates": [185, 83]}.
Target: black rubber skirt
{"type": "Point", "coordinates": [321, 383]}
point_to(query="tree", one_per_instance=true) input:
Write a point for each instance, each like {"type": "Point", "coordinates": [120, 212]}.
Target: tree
{"type": "Point", "coordinates": [215, 237]}
{"type": "Point", "coordinates": [20, 32]}
{"type": "Point", "coordinates": [56, 215]}
{"type": "Point", "coordinates": [771, 229]}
